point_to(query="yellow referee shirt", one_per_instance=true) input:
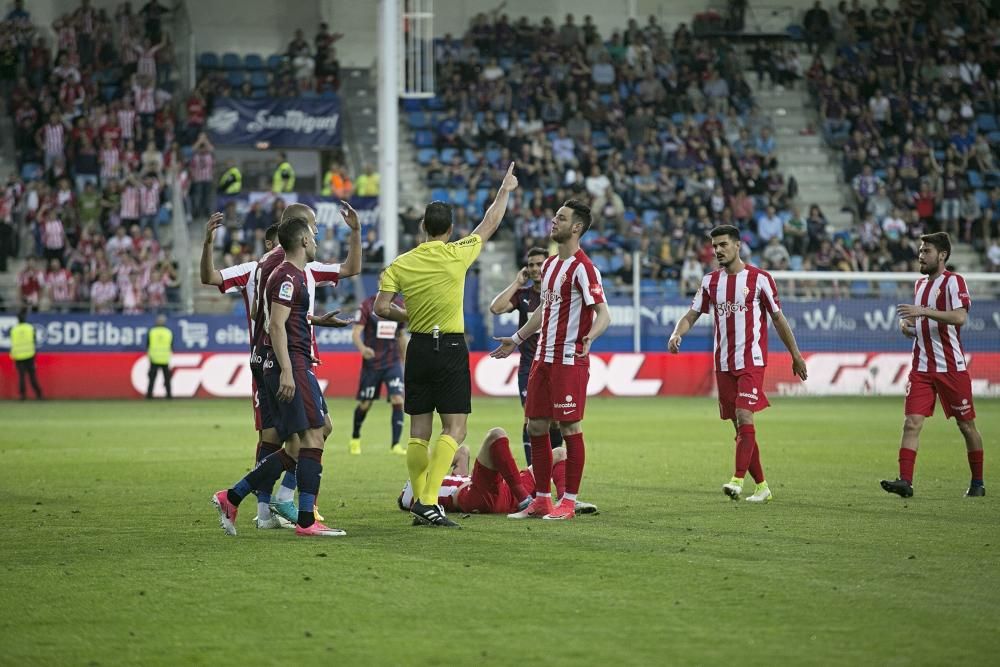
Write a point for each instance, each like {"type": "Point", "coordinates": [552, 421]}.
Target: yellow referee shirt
{"type": "Point", "coordinates": [431, 278]}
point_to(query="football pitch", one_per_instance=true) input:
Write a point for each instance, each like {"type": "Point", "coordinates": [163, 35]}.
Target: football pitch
{"type": "Point", "coordinates": [113, 555]}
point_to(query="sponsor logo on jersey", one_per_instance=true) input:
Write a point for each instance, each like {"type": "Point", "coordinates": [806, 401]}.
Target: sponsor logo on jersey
{"type": "Point", "coordinates": [729, 308]}
{"type": "Point", "coordinates": [286, 290]}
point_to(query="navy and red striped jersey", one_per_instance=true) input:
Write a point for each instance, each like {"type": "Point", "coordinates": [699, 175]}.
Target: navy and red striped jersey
{"type": "Point", "coordinates": [526, 301]}
{"type": "Point", "coordinates": [287, 286]}
{"type": "Point", "coordinates": [268, 263]}
{"type": "Point", "coordinates": [379, 334]}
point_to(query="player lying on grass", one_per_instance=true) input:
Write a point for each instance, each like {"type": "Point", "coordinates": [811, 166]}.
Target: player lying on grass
{"type": "Point", "coordinates": [495, 486]}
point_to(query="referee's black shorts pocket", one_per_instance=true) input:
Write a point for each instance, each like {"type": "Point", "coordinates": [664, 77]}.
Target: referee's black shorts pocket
{"type": "Point", "coordinates": [437, 380]}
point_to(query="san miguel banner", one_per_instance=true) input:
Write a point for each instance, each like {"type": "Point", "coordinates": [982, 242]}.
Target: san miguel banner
{"type": "Point", "coordinates": [282, 122]}
{"type": "Point", "coordinates": [69, 375]}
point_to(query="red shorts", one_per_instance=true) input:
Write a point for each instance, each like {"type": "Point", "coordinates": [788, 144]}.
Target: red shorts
{"type": "Point", "coordinates": [954, 388]}
{"type": "Point", "coordinates": [489, 494]}
{"type": "Point", "coordinates": [556, 392]}
{"type": "Point", "coordinates": [741, 390]}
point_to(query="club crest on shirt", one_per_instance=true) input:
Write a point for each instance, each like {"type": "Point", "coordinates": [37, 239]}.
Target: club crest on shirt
{"type": "Point", "coordinates": [746, 292]}
{"type": "Point", "coordinates": [563, 278]}
{"type": "Point", "coordinates": [286, 290]}
{"type": "Point", "coordinates": [596, 290]}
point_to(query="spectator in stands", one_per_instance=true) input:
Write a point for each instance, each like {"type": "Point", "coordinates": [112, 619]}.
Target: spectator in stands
{"type": "Point", "coordinates": [368, 183]}
{"type": "Point", "coordinates": [993, 256]}
{"type": "Point", "coordinates": [202, 177]}
{"type": "Point", "coordinates": [30, 282]}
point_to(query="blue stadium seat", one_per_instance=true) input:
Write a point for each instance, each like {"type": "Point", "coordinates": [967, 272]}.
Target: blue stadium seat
{"type": "Point", "coordinates": [650, 286]}
{"type": "Point", "coordinates": [258, 79]}
{"type": "Point", "coordinates": [458, 196]}
{"type": "Point", "coordinates": [417, 120]}
{"type": "Point", "coordinates": [993, 179]}
{"type": "Point", "coordinates": [983, 198]}
{"type": "Point", "coordinates": [259, 93]}
{"type": "Point", "coordinates": [986, 122]}
{"type": "Point", "coordinates": [447, 154]}
{"type": "Point", "coordinates": [887, 289]}
{"type": "Point", "coordinates": [31, 171]}
{"type": "Point", "coordinates": [994, 137]}
{"type": "Point", "coordinates": [447, 125]}
{"type": "Point", "coordinates": [795, 32]}
{"type": "Point", "coordinates": [672, 287]}
{"type": "Point", "coordinates": [795, 264]}
{"type": "Point", "coordinates": [109, 93]}
{"type": "Point", "coordinates": [649, 216]}
{"type": "Point", "coordinates": [616, 263]}
{"type": "Point", "coordinates": [860, 288]}
{"type": "Point", "coordinates": [411, 104]}
{"type": "Point", "coordinates": [492, 155]}
{"type": "Point", "coordinates": [425, 155]}
{"type": "Point", "coordinates": [975, 178]}
{"type": "Point", "coordinates": [440, 194]}
{"type": "Point", "coordinates": [600, 140]}
{"type": "Point", "coordinates": [235, 78]}
{"type": "Point", "coordinates": [471, 158]}
{"type": "Point", "coordinates": [231, 61]}
{"type": "Point", "coordinates": [601, 262]}
{"type": "Point", "coordinates": [253, 61]}
{"type": "Point", "coordinates": [678, 118]}
{"type": "Point", "coordinates": [274, 61]}
{"type": "Point", "coordinates": [208, 60]}
{"type": "Point", "coordinates": [423, 138]}
{"type": "Point", "coordinates": [434, 103]}
{"type": "Point", "coordinates": [481, 196]}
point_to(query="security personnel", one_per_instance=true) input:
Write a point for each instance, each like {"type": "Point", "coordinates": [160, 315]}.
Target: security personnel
{"type": "Point", "coordinates": [231, 181]}
{"type": "Point", "coordinates": [22, 351]}
{"type": "Point", "coordinates": [160, 345]}
{"type": "Point", "coordinates": [326, 189]}
{"type": "Point", "coordinates": [284, 176]}
{"type": "Point", "coordinates": [368, 183]}
{"type": "Point", "coordinates": [431, 278]}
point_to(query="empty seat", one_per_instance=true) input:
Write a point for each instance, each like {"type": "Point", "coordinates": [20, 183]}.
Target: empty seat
{"type": "Point", "coordinates": [208, 60]}
{"type": "Point", "coordinates": [253, 61]}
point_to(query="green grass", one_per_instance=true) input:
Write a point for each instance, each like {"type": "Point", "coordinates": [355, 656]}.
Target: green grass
{"type": "Point", "coordinates": [111, 553]}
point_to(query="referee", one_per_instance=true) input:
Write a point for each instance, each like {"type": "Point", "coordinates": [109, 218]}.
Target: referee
{"type": "Point", "coordinates": [431, 278]}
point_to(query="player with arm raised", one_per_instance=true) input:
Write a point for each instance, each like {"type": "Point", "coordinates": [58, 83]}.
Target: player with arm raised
{"type": "Point", "coordinates": [934, 321]}
{"type": "Point", "coordinates": [525, 300]}
{"type": "Point", "coordinates": [739, 296]}
{"type": "Point", "coordinates": [572, 316]}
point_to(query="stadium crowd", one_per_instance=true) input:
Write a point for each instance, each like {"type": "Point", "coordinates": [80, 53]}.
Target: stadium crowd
{"type": "Point", "coordinates": [911, 97]}
{"type": "Point", "coordinates": [661, 134]}
{"type": "Point", "coordinates": [98, 148]}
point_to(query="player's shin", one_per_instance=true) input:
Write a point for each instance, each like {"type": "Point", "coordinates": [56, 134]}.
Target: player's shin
{"type": "Point", "coordinates": [746, 442]}
{"type": "Point", "coordinates": [541, 464]}
{"type": "Point", "coordinates": [397, 424]}
{"type": "Point", "coordinates": [261, 478]}
{"type": "Point", "coordinates": [417, 459]}
{"type": "Point", "coordinates": [576, 456]}
{"type": "Point", "coordinates": [440, 464]}
{"type": "Point", "coordinates": [359, 418]}
{"type": "Point", "coordinates": [756, 470]}
{"type": "Point", "coordinates": [308, 473]}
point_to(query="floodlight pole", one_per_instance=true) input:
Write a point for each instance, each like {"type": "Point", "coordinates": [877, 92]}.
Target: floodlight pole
{"type": "Point", "coordinates": [388, 126]}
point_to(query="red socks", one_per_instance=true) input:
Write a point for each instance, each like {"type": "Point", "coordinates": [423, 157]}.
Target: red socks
{"type": "Point", "coordinates": [559, 477]}
{"type": "Point", "coordinates": [504, 463]}
{"type": "Point", "coordinates": [576, 456]}
{"type": "Point", "coordinates": [541, 463]}
{"type": "Point", "coordinates": [756, 471]}
{"type": "Point", "coordinates": [746, 443]}
{"type": "Point", "coordinates": [976, 464]}
{"type": "Point", "coordinates": [908, 457]}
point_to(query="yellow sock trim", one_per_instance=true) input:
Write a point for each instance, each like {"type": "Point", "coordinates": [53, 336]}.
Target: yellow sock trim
{"type": "Point", "coordinates": [441, 457]}
{"type": "Point", "coordinates": [416, 462]}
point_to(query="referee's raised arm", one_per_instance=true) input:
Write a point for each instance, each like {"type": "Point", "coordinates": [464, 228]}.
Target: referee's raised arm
{"type": "Point", "coordinates": [494, 214]}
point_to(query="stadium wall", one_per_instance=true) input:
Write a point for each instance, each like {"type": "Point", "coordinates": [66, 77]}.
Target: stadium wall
{"type": "Point", "coordinates": [122, 375]}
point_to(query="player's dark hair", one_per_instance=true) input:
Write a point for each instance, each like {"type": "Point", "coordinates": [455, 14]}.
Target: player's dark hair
{"type": "Point", "coordinates": [22, 315]}
{"type": "Point", "coordinates": [291, 231]}
{"type": "Point", "coordinates": [271, 233]}
{"type": "Point", "coordinates": [437, 218]}
{"type": "Point", "coordinates": [939, 240]}
{"type": "Point", "coordinates": [535, 252]}
{"type": "Point", "coordinates": [581, 213]}
{"type": "Point", "coordinates": [726, 230]}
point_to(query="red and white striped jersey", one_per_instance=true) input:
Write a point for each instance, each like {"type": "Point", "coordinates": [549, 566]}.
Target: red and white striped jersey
{"type": "Point", "coordinates": [61, 285]}
{"type": "Point", "coordinates": [569, 288]}
{"type": "Point", "coordinates": [446, 494]}
{"type": "Point", "coordinates": [318, 273]}
{"type": "Point", "coordinates": [146, 62]}
{"type": "Point", "coordinates": [938, 346]}
{"type": "Point", "coordinates": [130, 203]}
{"type": "Point", "coordinates": [145, 99]}
{"type": "Point", "coordinates": [156, 294]}
{"type": "Point", "coordinates": [241, 278]}
{"type": "Point", "coordinates": [103, 295]}
{"type": "Point", "coordinates": [202, 165]}
{"type": "Point", "coordinates": [739, 304]}
{"type": "Point", "coordinates": [54, 138]}
{"type": "Point", "coordinates": [149, 196]}
{"type": "Point", "coordinates": [53, 234]}
{"type": "Point", "coordinates": [126, 121]}
{"type": "Point", "coordinates": [109, 163]}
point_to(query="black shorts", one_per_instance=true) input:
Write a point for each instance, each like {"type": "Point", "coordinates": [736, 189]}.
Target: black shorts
{"type": "Point", "coordinates": [437, 380]}
{"type": "Point", "coordinates": [523, 371]}
{"type": "Point", "coordinates": [372, 379]}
